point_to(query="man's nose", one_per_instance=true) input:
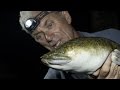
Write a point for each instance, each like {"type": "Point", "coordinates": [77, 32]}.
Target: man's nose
{"type": "Point", "coordinates": [48, 38]}
{"type": "Point", "coordinates": [47, 35]}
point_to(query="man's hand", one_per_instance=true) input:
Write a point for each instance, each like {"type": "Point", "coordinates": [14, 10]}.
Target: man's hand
{"type": "Point", "coordinates": [111, 68]}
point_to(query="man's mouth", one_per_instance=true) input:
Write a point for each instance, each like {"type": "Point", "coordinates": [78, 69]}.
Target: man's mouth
{"type": "Point", "coordinates": [56, 45]}
{"type": "Point", "coordinates": [52, 47]}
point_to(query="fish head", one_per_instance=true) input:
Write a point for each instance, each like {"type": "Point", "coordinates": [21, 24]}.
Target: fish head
{"type": "Point", "coordinates": [56, 60]}
{"type": "Point", "coordinates": [60, 58]}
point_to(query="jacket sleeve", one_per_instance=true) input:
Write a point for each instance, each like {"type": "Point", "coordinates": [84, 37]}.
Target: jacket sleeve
{"type": "Point", "coordinates": [113, 34]}
{"type": "Point", "coordinates": [54, 74]}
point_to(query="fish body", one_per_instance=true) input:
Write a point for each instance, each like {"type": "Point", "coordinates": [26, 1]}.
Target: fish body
{"type": "Point", "coordinates": [83, 55]}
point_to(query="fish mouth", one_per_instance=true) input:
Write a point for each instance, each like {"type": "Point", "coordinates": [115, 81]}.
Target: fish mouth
{"type": "Point", "coordinates": [45, 61]}
{"type": "Point", "coordinates": [55, 62]}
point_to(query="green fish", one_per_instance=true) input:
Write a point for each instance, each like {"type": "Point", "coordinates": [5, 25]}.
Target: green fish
{"type": "Point", "coordinates": [82, 55]}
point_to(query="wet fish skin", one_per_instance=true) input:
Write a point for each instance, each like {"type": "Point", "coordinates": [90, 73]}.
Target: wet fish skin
{"type": "Point", "coordinates": [85, 54]}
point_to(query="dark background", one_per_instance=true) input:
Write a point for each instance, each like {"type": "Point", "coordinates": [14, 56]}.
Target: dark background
{"type": "Point", "coordinates": [19, 53]}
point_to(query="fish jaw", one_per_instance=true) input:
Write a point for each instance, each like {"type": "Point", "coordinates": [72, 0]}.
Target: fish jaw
{"type": "Point", "coordinates": [56, 60]}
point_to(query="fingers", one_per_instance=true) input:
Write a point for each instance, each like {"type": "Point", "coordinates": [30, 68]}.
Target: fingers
{"type": "Point", "coordinates": [111, 67]}
{"type": "Point", "coordinates": [118, 73]}
{"type": "Point", "coordinates": [115, 68]}
{"type": "Point", "coordinates": [114, 72]}
{"type": "Point", "coordinates": [105, 68]}
{"type": "Point", "coordinates": [96, 73]}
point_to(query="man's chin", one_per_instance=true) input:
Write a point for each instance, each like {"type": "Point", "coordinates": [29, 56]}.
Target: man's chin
{"type": "Point", "coordinates": [49, 48]}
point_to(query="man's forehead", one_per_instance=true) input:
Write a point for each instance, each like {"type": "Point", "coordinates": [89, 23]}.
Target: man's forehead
{"type": "Point", "coordinates": [31, 14]}
{"type": "Point", "coordinates": [35, 13]}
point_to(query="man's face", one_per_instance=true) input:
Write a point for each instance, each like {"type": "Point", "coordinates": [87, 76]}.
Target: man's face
{"type": "Point", "coordinates": [53, 31]}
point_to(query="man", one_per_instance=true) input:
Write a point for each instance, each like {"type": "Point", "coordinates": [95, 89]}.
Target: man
{"type": "Point", "coordinates": [53, 28]}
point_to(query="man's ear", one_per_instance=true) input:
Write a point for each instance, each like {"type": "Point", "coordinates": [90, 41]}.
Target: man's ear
{"type": "Point", "coordinates": [67, 16]}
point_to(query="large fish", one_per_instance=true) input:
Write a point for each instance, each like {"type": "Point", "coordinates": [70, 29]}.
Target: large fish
{"type": "Point", "coordinates": [83, 55]}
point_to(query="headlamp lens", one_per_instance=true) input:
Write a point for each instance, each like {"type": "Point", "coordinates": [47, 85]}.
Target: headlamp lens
{"type": "Point", "coordinates": [31, 24]}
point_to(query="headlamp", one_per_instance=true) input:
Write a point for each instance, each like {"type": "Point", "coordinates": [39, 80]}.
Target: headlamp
{"type": "Point", "coordinates": [31, 23]}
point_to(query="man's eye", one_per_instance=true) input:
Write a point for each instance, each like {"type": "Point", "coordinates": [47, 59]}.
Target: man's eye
{"type": "Point", "coordinates": [38, 37]}
{"type": "Point", "coordinates": [49, 26]}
